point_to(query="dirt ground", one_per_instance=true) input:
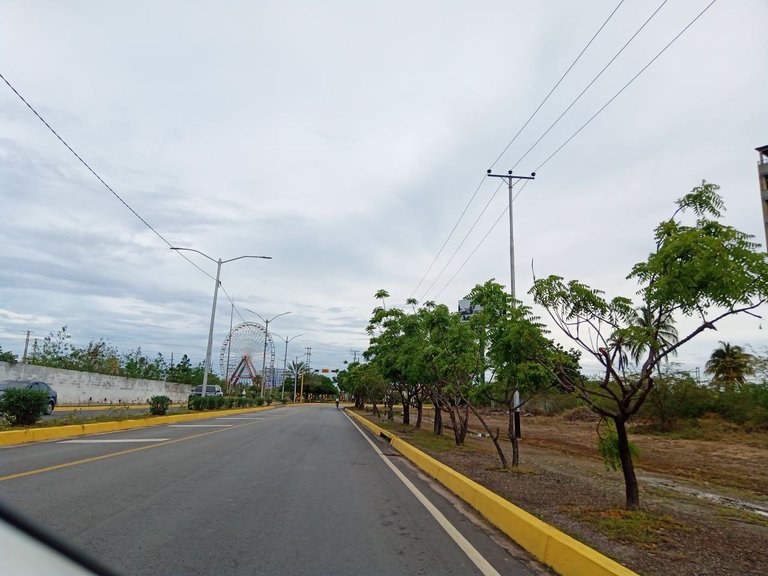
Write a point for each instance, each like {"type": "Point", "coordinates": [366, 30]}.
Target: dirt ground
{"type": "Point", "coordinates": [704, 503]}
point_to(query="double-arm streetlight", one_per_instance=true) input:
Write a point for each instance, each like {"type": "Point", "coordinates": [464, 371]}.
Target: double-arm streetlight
{"type": "Point", "coordinates": [285, 360]}
{"type": "Point", "coordinates": [219, 262]}
{"type": "Point", "coordinates": [266, 338]}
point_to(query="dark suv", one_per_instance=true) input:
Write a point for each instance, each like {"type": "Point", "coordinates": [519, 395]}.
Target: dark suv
{"type": "Point", "coordinates": [32, 385]}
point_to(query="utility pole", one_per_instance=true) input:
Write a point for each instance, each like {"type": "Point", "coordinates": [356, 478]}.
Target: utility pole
{"type": "Point", "coordinates": [26, 347]}
{"type": "Point", "coordinates": [510, 179]}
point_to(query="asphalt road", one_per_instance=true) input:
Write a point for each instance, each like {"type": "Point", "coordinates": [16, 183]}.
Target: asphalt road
{"type": "Point", "coordinates": [296, 490]}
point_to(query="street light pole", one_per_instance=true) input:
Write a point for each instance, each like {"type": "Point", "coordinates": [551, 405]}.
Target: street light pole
{"type": "Point", "coordinates": [509, 178]}
{"type": "Point", "coordinates": [285, 361]}
{"type": "Point", "coordinates": [219, 262]}
{"type": "Point", "coordinates": [266, 338]}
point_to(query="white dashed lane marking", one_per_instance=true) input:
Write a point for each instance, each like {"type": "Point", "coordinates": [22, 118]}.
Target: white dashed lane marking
{"type": "Point", "coordinates": [199, 425]}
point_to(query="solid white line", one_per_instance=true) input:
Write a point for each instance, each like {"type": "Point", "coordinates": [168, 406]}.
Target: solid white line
{"type": "Point", "coordinates": [113, 441]}
{"type": "Point", "coordinates": [477, 559]}
{"type": "Point", "coordinates": [199, 425]}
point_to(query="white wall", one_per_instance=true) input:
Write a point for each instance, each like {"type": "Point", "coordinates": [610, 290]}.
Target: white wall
{"type": "Point", "coordinates": [75, 387]}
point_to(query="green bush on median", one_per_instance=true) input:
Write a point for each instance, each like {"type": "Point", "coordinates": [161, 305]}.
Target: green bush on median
{"type": "Point", "coordinates": [23, 407]}
{"type": "Point", "coordinates": [158, 405]}
{"type": "Point", "coordinates": [219, 402]}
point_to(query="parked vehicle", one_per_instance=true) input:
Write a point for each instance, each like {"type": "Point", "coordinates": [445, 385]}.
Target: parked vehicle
{"type": "Point", "coordinates": [32, 385]}
{"type": "Point", "coordinates": [210, 390]}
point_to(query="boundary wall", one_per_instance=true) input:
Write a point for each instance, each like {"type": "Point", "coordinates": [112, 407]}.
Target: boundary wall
{"type": "Point", "coordinates": [82, 388]}
{"type": "Point", "coordinates": [566, 555]}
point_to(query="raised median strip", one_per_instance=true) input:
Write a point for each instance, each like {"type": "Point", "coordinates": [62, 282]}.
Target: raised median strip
{"type": "Point", "coordinates": [12, 437]}
{"type": "Point", "coordinates": [566, 555]}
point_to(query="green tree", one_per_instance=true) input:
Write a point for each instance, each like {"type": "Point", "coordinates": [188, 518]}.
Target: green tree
{"type": "Point", "coordinates": [729, 366]}
{"type": "Point", "coordinates": [99, 357]}
{"type": "Point", "coordinates": [705, 270]}
{"type": "Point", "coordinates": [516, 351]}
{"type": "Point", "coordinates": [181, 372]}
{"type": "Point", "coordinates": [8, 356]}
{"type": "Point", "coordinates": [54, 351]}
{"type": "Point", "coordinates": [138, 365]}
{"type": "Point", "coordinates": [381, 295]}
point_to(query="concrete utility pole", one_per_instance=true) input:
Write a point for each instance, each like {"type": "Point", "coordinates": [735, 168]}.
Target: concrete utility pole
{"type": "Point", "coordinates": [26, 347]}
{"type": "Point", "coordinates": [510, 179]}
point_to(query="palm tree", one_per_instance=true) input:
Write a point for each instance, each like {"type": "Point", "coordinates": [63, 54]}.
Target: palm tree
{"type": "Point", "coordinates": [729, 365]}
{"type": "Point", "coordinates": [649, 330]}
{"type": "Point", "coordinates": [381, 295]}
{"type": "Point", "coordinates": [660, 332]}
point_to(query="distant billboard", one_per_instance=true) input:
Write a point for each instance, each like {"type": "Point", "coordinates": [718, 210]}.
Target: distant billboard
{"type": "Point", "coordinates": [467, 308]}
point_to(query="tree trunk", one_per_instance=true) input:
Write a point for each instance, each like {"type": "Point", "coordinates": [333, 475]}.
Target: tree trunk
{"type": "Point", "coordinates": [460, 423]}
{"type": "Point", "coordinates": [493, 437]}
{"type": "Point", "coordinates": [419, 412]}
{"type": "Point", "coordinates": [406, 410]}
{"type": "Point", "coordinates": [627, 467]}
{"type": "Point", "coordinates": [438, 423]}
{"type": "Point", "coordinates": [511, 434]}
{"type": "Point", "coordinates": [390, 408]}
{"type": "Point", "coordinates": [375, 410]}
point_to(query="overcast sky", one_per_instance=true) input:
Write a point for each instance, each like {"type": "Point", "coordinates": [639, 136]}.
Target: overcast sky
{"type": "Point", "coordinates": [344, 139]}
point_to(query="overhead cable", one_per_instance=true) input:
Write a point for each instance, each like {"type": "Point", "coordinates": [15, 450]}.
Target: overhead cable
{"type": "Point", "coordinates": [546, 98]}
{"type": "Point", "coordinates": [99, 178]}
{"type": "Point", "coordinates": [572, 136]}
{"type": "Point", "coordinates": [588, 86]}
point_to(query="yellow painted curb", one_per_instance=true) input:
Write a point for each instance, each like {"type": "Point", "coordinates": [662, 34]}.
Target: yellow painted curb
{"type": "Point", "coordinates": [12, 437]}
{"type": "Point", "coordinates": [566, 555]}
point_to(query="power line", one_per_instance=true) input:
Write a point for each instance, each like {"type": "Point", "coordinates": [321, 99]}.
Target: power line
{"type": "Point", "coordinates": [450, 235]}
{"type": "Point", "coordinates": [643, 69]}
{"type": "Point", "coordinates": [456, 251]}
{"type": "Point", "coordinates": [588, 86]}
{"type": "Point", "coordinates": [473, 251]}
{"type": "Point", "coordinates": [99, 178]}
{"type": "Point", "coordinates": [546, 98]}
{"type": "Point", "coordinates": [558, 83]}
{"type": "Point", "coordinates": [584, 125]}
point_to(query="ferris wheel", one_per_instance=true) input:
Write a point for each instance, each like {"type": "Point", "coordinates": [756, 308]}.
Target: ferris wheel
{"type": "Point", "coordinates": [242, 354]}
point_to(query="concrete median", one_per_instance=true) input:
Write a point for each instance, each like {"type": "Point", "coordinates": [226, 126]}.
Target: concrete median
{"type": "Point", "coordinates": [13, 437]}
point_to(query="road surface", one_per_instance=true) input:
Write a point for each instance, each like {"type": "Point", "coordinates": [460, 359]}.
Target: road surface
{"type": "Point", "coordinates": [296, 490]}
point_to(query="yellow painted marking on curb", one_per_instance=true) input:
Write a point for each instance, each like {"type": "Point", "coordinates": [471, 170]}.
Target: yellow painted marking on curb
{"type": "Point", "coordinates": [29, 435]}
{"type": "Point", "coordinates": [566, 555]}
{"type": "Point", "coordinates": [477, 559]}
{"type": "Point", "coordinates": [113, 454]}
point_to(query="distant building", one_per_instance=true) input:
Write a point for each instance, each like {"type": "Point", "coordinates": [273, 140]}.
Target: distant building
{"type": "Point", "coordinates": [762, 171]}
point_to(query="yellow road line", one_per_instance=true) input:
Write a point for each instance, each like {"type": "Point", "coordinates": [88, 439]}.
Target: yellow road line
{"type": "Point", "coordinates": [113, 454]}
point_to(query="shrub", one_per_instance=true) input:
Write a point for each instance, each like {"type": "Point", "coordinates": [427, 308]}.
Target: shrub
{"type": "Point", "coordinates": [23, 407]}
{"type": "Point", "coordinates": [580, 414]}
{"type": "Point", "coordinates": [260, 401]}
{"type": "Point", "coordinates": [158, 405]}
